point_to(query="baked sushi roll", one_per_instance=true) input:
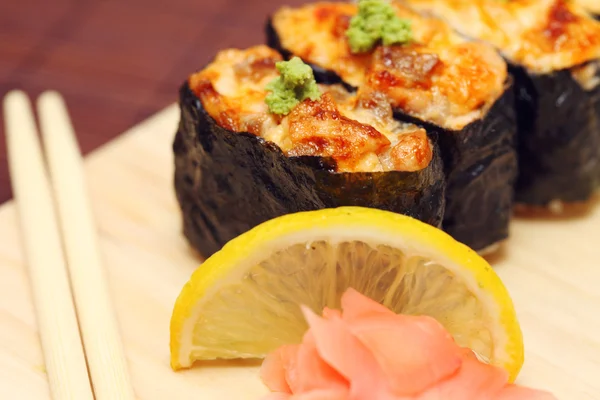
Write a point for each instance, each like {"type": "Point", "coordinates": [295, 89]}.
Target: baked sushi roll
{"type": "Point", "coordinates": [453, 87]}
{"type": "Point", "coordinates": [258, 138]}
{"type": "Point", "coordinates": [553, 48]}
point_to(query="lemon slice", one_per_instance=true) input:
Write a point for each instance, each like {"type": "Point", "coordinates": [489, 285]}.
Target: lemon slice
{"type": "Point", "coordinates": [243, 302]}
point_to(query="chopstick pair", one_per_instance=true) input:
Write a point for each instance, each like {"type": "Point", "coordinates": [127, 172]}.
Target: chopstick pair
{"type": "Point", "coordinates": [73, 307]}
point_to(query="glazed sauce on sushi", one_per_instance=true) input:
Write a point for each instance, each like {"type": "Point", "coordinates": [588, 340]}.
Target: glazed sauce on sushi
{"type": "Point", "coordinates": [437, 77]}
{"type": "Point", "coordinates": [358, 131]}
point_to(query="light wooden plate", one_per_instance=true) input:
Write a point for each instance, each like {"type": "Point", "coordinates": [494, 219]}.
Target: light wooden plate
{"type": "Point", "coordinates": [550, 266]}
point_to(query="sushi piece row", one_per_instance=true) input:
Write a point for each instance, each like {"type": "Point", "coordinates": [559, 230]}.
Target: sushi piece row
{"type": "Point", "coordinates": [553, 50]}
{"type": "Point", "coordinates": [457, 89]}
{"type": "Point", "coordinates": [244, 153]}
{"type": "Point", "coordinates": [450, 124]}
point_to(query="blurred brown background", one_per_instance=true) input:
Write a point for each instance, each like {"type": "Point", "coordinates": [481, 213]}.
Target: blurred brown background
{"type": "Point", "coordinates": [116, 62]}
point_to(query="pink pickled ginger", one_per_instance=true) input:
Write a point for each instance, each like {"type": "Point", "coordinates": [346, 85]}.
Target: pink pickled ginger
{"type": "Point", "coordinates": [367, 352]}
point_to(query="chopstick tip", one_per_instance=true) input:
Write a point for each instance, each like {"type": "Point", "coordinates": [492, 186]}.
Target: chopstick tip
{"type": "Point", "coordinates": [50, 96]}
{"type": "Point", "coordinates": [15, 95]}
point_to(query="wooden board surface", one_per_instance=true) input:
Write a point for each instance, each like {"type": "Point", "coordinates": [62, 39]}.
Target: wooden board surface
{"type": "Point", "coordinates": [550, 266]}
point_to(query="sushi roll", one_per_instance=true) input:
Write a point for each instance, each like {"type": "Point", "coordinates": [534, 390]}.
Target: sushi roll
{"type": "Point", "coordinates": [258, 138]}
{"type": "Point", "coordinates": [458, 89]}
{"type": "Point", "coordinates": [553, 48]}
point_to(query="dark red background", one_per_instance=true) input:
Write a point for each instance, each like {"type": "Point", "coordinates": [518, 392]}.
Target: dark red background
{"type": "Point", "coordinates": [116, 62]}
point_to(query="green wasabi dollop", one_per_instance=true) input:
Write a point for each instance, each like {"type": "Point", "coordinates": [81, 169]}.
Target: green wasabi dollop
{"type": "Point", "coordinates": [376, 20]}
{"type": "Point", "coordinates": [295, 84]}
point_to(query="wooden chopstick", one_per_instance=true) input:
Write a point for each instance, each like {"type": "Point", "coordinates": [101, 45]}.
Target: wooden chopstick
{"type": "Point", "coordinates": [55, 311]}
{"type": "Point", "coordinates": [103, 347]}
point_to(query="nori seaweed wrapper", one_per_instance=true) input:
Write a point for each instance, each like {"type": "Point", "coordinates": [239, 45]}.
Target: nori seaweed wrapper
{"type": "Point", "coordinates": [479, 160]}
{"type": "Point", "coordinates": [559, 138]}
{"type": "Point", "coordinates": [227, 182]}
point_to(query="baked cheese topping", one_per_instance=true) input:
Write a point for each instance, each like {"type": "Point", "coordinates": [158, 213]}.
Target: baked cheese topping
{"type": "Point", "coordinates": [438, 77]}
{"type": "Point", "coordinates": [540, 35]}
{"type": "Point", "coordinates": [357, 131]}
